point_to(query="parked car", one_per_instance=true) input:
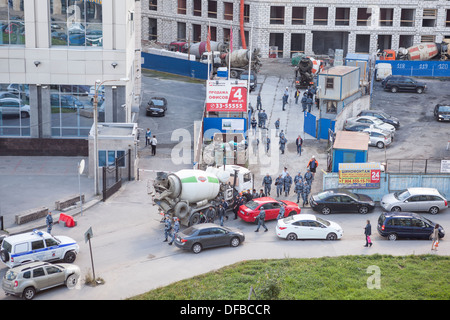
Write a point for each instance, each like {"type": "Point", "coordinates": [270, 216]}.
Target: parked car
{"type": "Point", "coordinates": [20, 90]}
{"type": "Point", "coordinates": [37, 246]}
{"type": "Point", "coordinates": [442, 112]}
{"type": "Point", "coordinates": [383, 116]}
{"type": "Point", "coordinates": [391, 77]}
{"type": "Point", "coordinates": [253, 79]}
{"type": "Point", "coordinates": [250, 210]}
{"type": "Point", "coordinates": [156, 107]}
{"type": "Point", "coordinates": [394, 225]}
{"type": "Point", "coordinates": [415, 199]}
{"type": "Point", "coordinates": [341, 200]}
{"type": "Point", "coordinates": [14, 106]}
{"type": "Point", "coordinates": [396, 84]}
{"type": "Point", "coordinates": [357, 127]}
{"type": "Point", "coordinates": [307, 226]}
{"type": "Point", "coordinates": [370, 121]}
{"type": "Point", "coordinates": [7, 94]}
{"type": "Point", "coordinates": [28, 279]}
{"type": "Point", "coordinates": [65, 101]}
{"type": "Point", "coordinates": [208, 235]}
{"type": "Point", "coordinates": [378, 138]}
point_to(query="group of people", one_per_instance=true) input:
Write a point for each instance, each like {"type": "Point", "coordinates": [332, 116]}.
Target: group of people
{"type": "Point", "coordinates": [151, 141]}
{"type": "Point", "coordinates": [308, 98]}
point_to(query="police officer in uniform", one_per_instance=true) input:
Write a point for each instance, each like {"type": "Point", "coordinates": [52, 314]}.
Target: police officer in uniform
{"type": "Point", "coordinates": [287, 181]}
{"type": "Point", "coordinates": [279, 182]}
{"type": "Point", "coordinates": [299, 189]}
{"type": "Point", "coordinates": [306, 191]}
{"type": "Point", "coordinates": [283, 142]}
{"type": "Point", "coordinates": [176, 228]}
{"type": "Point", "coordinates": [298, 177]}
{"type": "Point", "coordinates": [267, 183]}
{"type": "Point", "coordinates": [261, 219]}
{"type": "Point", "coordinates": [167, 227]}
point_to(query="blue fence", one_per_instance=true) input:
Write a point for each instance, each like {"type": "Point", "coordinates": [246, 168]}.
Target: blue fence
{"type": "Point", "coordinates": [192, 69]}
{"type": "Point", "coordinates": [419, 68]}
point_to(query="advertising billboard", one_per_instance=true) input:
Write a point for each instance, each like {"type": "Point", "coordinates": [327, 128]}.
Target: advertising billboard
{"type": "Point", "coordinates": [226, 96]}
{"type": "Point", "coordinates": [359, 175]}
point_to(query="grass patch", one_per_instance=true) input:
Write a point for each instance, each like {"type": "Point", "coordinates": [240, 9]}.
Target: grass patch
{"type": "Point", "coordinates": [330, 278]}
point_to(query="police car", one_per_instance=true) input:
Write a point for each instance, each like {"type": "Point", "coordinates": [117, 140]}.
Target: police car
{"type": "Point", "coordinates": [37, 246]}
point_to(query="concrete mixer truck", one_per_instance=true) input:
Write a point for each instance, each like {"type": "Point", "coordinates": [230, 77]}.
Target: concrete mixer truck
{"type": "Point", "coordinates": [305, 71]}
{"type": "Point", "coordinates": [185, 193]}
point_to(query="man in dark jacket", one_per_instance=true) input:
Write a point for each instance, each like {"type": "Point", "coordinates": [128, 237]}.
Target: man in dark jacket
{"type": "Point", "coordinates": [368, 233]}
{"type": "Point", "coordinates": [261, 219]}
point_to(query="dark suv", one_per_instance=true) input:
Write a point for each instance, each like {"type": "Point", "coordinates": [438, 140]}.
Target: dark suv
{"type": "Point", "coordinates": [442, 112]}
{"type": "Point", "coordinates": [394, 225]}
{"type": "Point", "coordinates": [396, 84]}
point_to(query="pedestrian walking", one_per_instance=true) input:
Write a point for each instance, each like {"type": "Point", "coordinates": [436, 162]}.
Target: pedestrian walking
{"type": "Point", "coordinates": [263, 118]}
{"type": "Point", "coordinates": [277, 127]}
{"type": "Point", "coordinates": [306, 191]}
{"type": "Point", "coordinates": [285, 97]}
{"type": "Point", "coordinates": [308, 177]}
{"type": "Point", "coordinates": [254, 123]}
{"type": "Point", "coordinates": [49, 222]}
{"type": "Point", "coordinates": [298, 178]}
{"type": "Point", "coordinates": [297, 95]}
{"type": "Point", "coordinates": [284, 172]}
{"type": "Point", "coordinates": [309, 103]}
{"type": "Point", "coordinates": [167, 227]}
{"type": "Point", "coordinates": [279, 183]}
{"type": "Point", "coordinates": [221, 213]}
{"type": "Point", "coordinates": [287, 182]}
{"type": "Point", "coordinates": [368, 233]}
{"type": "Point", "coordinates": [435, 238]}
{"type": "Point", "coordinates": [299, 143]}
{"type": "Point", "coordinates": [153, 143]}
{"type": "Point", "coordinates": [175, 229]}
{"type": "Point", "coordinates": [303, 101]}
{"type": "Point", "coordinates": [298, 189]}
{"type": "Point", "coordinates": [281, 213]}
{"type": "Point", "coordinates": [261, 217]}
{"type": "Point", "coordinates": [267, 145]}
{"type": "Point", "coordinates": [148, 136]}
{"type": "Point", "coordinates": [258, 102]}
{"type": "Point", "coordinates": [259, 118]}
{"type": "Point", "coordinates": [255, 143]}
{"type": "Point", "coordinates": [283, 142]}
{"type": "Point", "coordinates": [236, 205]}
{"type": "Point", "coordinates": [312, 165]}
{"type": "Point", "coordinates": [267, 183]}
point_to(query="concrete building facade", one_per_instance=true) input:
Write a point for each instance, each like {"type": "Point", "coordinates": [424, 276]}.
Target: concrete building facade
{"type": "Point", "coordinates": [52, 54]}
{"type": "Point", "coordinates": [305, 26]}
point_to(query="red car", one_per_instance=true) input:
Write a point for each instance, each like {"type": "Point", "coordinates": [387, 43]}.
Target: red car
{"type": "Point", "coordinates": [250, 210]}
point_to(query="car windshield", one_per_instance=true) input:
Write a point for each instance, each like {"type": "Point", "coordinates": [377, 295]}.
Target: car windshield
{"type": "Point", "coordinates": [245, 77]}
{"type": "Point", "coordinates": [402, 195]}
{"type": "Point", "coordinates": [158, 103]}
{"type": "Point", "coordinates": [444, 109]}
{"type": "Point", "coordinates": [384, 115]}
{"type": "Point", "coordinates": [252, 205]}
{"type": "Point", "coordinates": [378, 121]}
{"type": "Point", "coordinates": [323, 221]}
{"type": "Point", "coordinates": [323, 195]}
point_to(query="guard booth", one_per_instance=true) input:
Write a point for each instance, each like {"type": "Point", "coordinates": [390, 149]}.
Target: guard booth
{"type": "Point", "coordinates": [349, 147]}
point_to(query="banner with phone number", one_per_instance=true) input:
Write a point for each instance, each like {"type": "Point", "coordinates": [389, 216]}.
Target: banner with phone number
{"type": "Point", "coordinates": [359, 175]}
{"type": "Point", "coordinates": [226, 96]}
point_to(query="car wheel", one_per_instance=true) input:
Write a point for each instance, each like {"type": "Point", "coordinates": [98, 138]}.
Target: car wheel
{"type": "Point", "coordinates": [394, 89]}
{"type": "Point", "coordinates": [70, 257]}
{"type": "Point", "coordinates": [197, 248]}
{"type": "Point", "coordinates": [194, 219]}
{"type": "Point", "coordinates": [326, 210]}
{"type": "Point", "coordinates": [291, 237]}
{"type": "Point", "coordinates": [419, 90]}
{"type": "Point", "coordinates": [72, 281]}
{"type": "Point", "coordinates": [396, 209]}
{"type": "Point", "coordinates": [29, 293]}
{"type": "Point", "coordinates": [380, 145]}
{"type": "Point", "coordinates": [434, 210]}
{"type": "Point", "coordinates": [331, 236]}
{"type": "Point", "coordinates": [363, 210]}
{"type": "Point", "coordinates": [392, 236]}
{"type": "Point", "coordinates": [235, 242]}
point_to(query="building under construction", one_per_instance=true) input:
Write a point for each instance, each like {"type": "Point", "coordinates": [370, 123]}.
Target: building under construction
{"type": "Point", "coordinates": [284, 27]}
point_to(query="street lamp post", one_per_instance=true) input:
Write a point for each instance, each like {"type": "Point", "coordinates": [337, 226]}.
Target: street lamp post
{"type": "Point", "coordinates": [98, 84]}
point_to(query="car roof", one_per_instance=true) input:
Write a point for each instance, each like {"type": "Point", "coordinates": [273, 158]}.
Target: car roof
{"type": "Point", "coordinates": [34, 235]}
{"type": "Point", "coordinates": [303, 216]}
{"type": "Point", "coordinates": [202, 226]}
{"type": "Point", "coordinates": [404, 214]}
{"type": "Point", "coordinates": [29, 265]}
{"type": "Point", "coordinates": [415, 190]}
{"type": "Point", "coordinates": [372, 129]}
{"type": "Point", "coordinates": [264, 200]}
{"type": "Point", "coordinates": [339, 191]}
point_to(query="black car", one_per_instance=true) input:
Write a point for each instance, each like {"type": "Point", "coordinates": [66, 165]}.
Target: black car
{"type": "Point", "coordinates": [156, 107]}
{"type": "Point", "coordinates": [383, 116]}
{"type": "Point", "coordinates": [341, 200]}
{"type": "Point", "coordinates": [208, 235]}
{"type": "Point", "coordinates": [442, 112]}
{"type": "Point", "coordinates": [253, 79]}
{"type": "Point", "coordinates": [396, 84]}
{"type": "Point", "coordinates": [394, 225]}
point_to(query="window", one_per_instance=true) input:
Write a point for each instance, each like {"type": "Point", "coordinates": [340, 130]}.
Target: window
{"type": "Point", "coordinates": [331, 107]}
{"type": "Point", "coordinates": [246, 13]}
{"type": "Point", "coordinates": [50, 242]}
{"type": "Point", "coordinates": [386, 17]}
{"type": "Point", "coordinates": [27, 275]}
{"type": "Point", "coordinates": [212, 9]}
{"type": "Point", "coordinates": [228, 11]}
{"type": "Point", "coordinates": [197, 8]}
{"type": "Point", "coordinates": [72, 110]}
{"type": "Point", "coordinates": [153, 5]}
{"type": "Point", "coordinates": [181, 31]}
{"type": "Point", "coordinates": [276, 15]}
{"type": "Point", "coordinates": [52, 270]}
{"type": "Point", "coordinates": [36, 245]}
{"type": "Point", "coordinates": [298, 15]}
{"type": "Point", "coordinates": [22, 247]}
{"type": "Point", "coordinates": [108, 158]}
{"type": "Point", "coordinates": [330, 83]}
{"type": "Point", "coordinates": [76, 23]}
{"type": "Point", "coordinates": [407, 18]}
{"type": "Point", "coordinates": [342, 17]}
{"type": "Point", "coordinates": [152, 29]}
{"type": "Point", "coordinates": [39, 272]}
{"type": "Point", "coordinates": [320, 16]}
{"type": "Point", "coordinates": [429, 17]}
{"type": "Point", "coordinates": [364, 17]}
{"type": "Point", "coordinates": [181, 7]}
{"type": "Point", "coordinates": [12, 23]}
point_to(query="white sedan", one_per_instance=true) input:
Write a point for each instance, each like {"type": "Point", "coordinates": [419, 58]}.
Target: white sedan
{"type": "Point", "coordinates": [308, 226]}
{"type": "Point", "coordinates": [370, 121]}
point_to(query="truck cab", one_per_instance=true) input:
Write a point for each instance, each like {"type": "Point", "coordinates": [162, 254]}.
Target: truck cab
{"type": "Point", "coordinates": [388, 54]}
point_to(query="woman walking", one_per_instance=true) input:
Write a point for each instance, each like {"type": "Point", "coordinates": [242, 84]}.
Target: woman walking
{"type": "Point", "coordinates": [435, 237]}
{"type": "Point", "coordinates": [368, 233]}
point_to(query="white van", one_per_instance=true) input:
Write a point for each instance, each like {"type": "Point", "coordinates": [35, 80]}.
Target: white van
{"type": "Point", "coordinates": [37, 246]}
{"type": "Point", "coordinates": [383, 70]}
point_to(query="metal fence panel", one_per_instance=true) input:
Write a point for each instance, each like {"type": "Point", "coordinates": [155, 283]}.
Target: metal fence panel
{"type": "Point", "coordinates": [430, 68]}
